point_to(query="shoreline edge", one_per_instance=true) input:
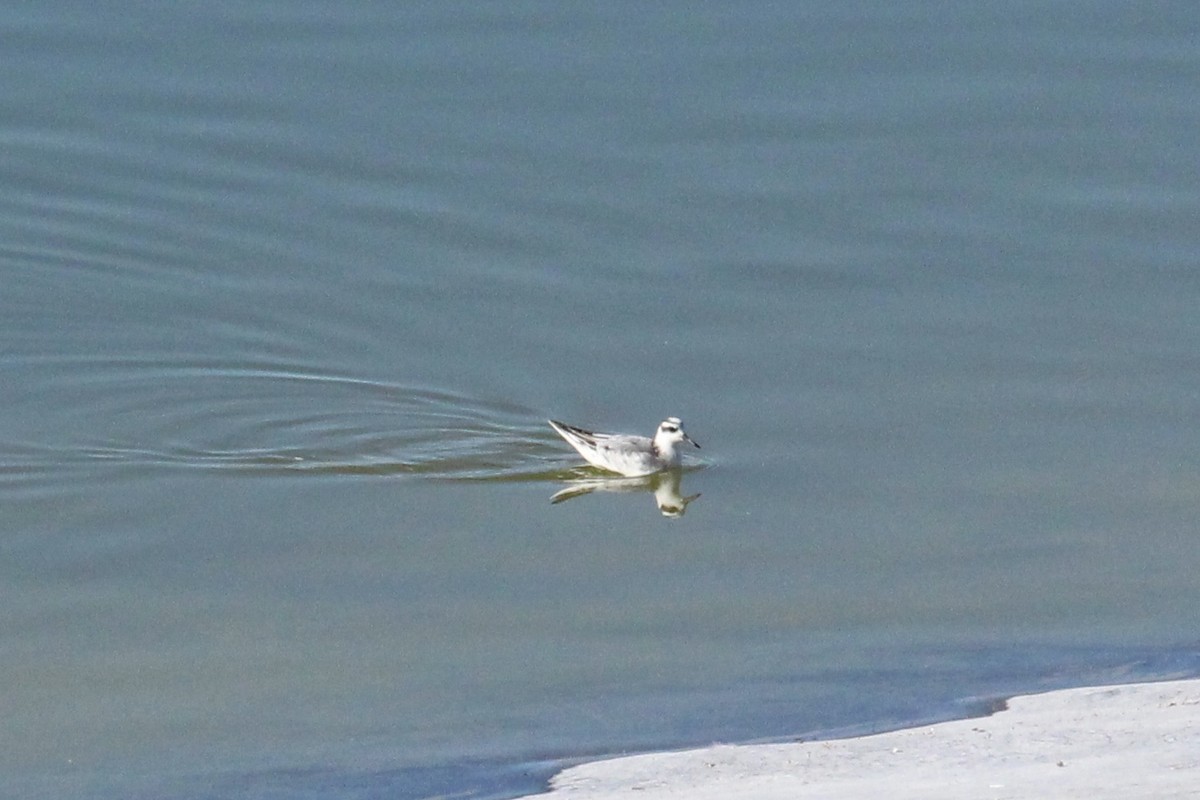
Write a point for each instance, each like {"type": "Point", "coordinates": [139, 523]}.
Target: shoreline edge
{"type": "Point", "coordinates": [1126, 741]}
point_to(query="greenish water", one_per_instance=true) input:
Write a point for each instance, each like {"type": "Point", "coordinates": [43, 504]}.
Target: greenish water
{"type": "Point", "coordinates": [287, 293]}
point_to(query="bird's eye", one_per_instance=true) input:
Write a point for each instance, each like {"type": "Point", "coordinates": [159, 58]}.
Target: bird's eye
{"type": "Point", "coordinates": [670, 428]}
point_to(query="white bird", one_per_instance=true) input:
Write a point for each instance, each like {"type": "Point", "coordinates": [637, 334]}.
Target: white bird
{"type": "Point", "coordinates": [626, 454]}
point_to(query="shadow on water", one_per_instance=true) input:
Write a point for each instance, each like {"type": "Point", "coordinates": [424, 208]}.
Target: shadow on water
{"type": "Point", "coordinates": [275, 421]}
{"type": "Point", "coordinates": [665, 486]}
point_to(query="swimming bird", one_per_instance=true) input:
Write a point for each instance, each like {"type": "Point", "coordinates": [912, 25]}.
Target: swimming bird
{"type": "Point", "coordinates": [627, 454]}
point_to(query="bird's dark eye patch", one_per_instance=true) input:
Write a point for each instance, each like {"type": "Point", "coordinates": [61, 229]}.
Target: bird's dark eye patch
{"type": "Point", "coordinates": [670, 428]}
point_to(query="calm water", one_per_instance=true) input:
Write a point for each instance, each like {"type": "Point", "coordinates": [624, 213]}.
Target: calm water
{"type": "Point", "coordinates": [287, 291]}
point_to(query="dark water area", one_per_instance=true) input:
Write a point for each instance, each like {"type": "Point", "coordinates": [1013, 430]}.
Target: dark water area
{"type": "Point", "coordinates": [288, 292]}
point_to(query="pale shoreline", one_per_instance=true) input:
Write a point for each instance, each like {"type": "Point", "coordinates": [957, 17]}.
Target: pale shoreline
{"type": "Point", "coordinates": [1125, 741]}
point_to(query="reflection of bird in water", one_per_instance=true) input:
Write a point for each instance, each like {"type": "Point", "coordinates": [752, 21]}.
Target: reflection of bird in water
{"type": "Point", "coordinates": [629, 455]}
{"type": "Point", "coordinates": [664, 485]}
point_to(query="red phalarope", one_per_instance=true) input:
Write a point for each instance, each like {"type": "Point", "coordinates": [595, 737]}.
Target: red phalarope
{"type": "Point", "coordinates": [628, 455]}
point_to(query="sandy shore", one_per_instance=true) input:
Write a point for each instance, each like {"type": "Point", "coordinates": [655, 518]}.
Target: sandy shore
{"type": "Point", "coordinates": [1105, 743]}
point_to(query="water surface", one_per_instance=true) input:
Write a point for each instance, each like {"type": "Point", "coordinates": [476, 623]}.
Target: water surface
{"type": "Point", "coordinates": [288, 292]}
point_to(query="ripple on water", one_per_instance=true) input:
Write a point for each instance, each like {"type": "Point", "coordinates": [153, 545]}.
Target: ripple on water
{"type": "Point", "coordinates": [139, 417]}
